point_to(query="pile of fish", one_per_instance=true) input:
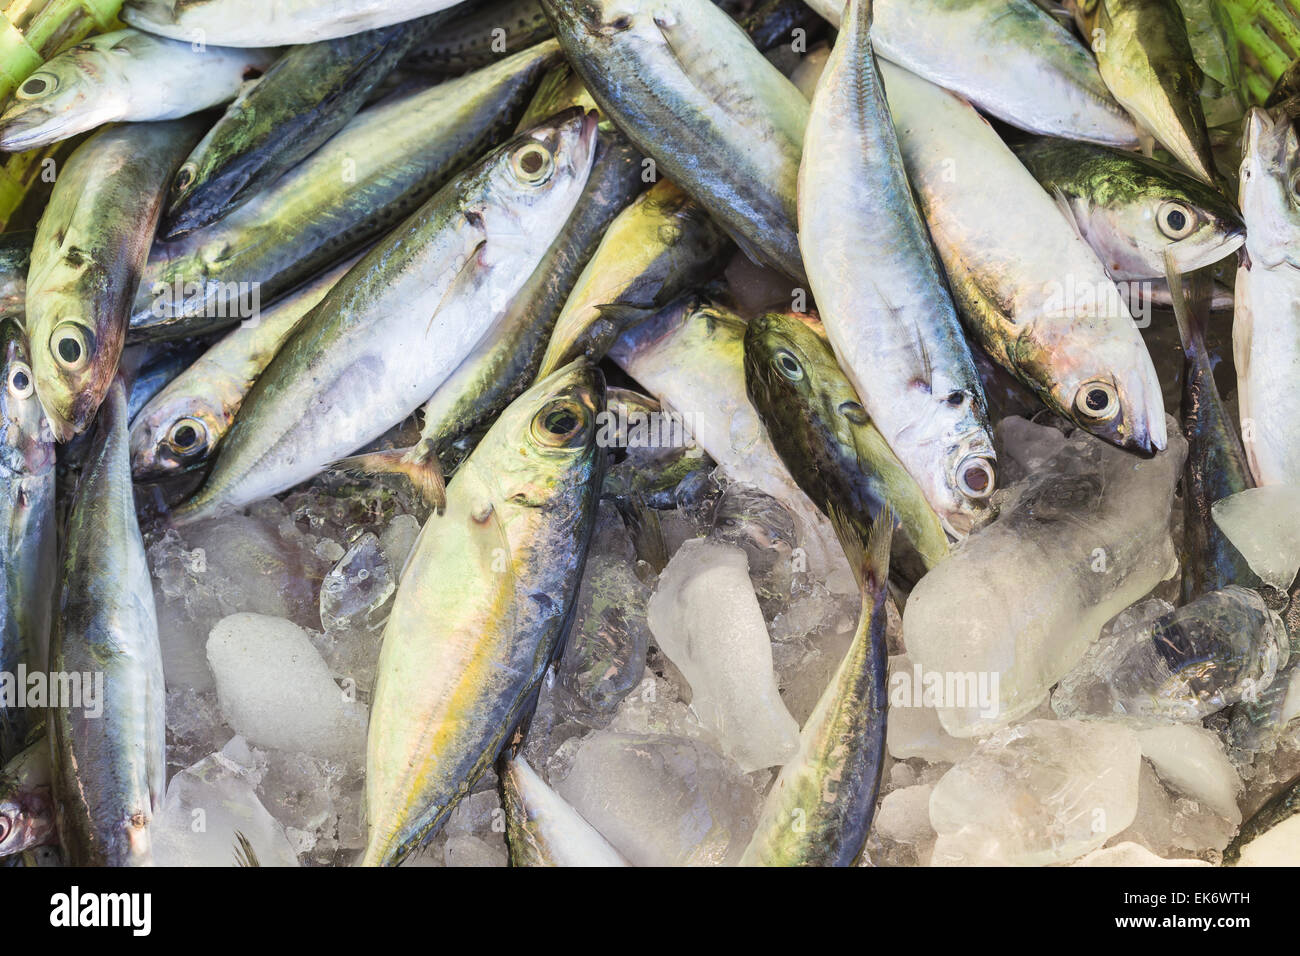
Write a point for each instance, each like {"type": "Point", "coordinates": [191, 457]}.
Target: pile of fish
{"type": "Point", "coordinates": [652, 432]}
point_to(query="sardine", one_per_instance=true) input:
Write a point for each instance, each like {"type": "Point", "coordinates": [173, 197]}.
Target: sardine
{"type": "Point", "coordinates": [402, 320]}
{"type": "Point", "coordinates": [1028, 288]}
{"type": "Point", "coordinates": [109, 767]}
{"type": "Point", "coordinates": [461, 664]}
{"type": "Point", "coordinates": [476, 34]}
{"type": "Point", "coordinates": [123, 76]}
{"type": "Point", "coordinates": [688, 87]}
{"type": "Point", "coordinates": [89, 251]}
{"type": "Point", "coordinates": [880, 289]}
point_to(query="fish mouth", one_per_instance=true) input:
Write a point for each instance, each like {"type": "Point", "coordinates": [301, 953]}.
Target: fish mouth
{"type": "Point", "coordinates": [23, 127]}
{"type": "Point", "coordinates": [1191, 254]}
{"type": "Point", "coordinates": [63, 429]}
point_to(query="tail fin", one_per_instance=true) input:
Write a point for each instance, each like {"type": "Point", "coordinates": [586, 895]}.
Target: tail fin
{"type": "Point", "coordinates": [870, 558]}
{"type": "Point", "coordinates": [245, 855]}
{"type": "Point", "coordinates": [419, 464]}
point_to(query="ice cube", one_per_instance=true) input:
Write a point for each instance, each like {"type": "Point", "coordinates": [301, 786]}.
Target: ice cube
{"type": "Point", "coordinates": [1046, 791]}
{"type": "Point", "coordinates": [1223, 647]}
{"type": "Point", "coordinates": [1172, 826]}
{"type": "Point", "coordinates": [661, 801]}
{"type": "Point", "coordinates": [1264, 525]}
{"type": "Point", "coordinates": [276, 690]}
{"type": "Point", "coordinates": [705, 617]}
{"type": "Point", "coordinates": [913, 728]}
{"type": "Point", "coordinates": [206, 806]}
{"type": "Point", "coordinates": [358, 592]}
{"type": "Point", "coordinates": [398, 539]}
{"type": "Point", "coordinates": [1190, 760]}
{"type": "Point", "coordinates": [1016, 606]}
{"type": "Point", "coordinates": [904, 815]}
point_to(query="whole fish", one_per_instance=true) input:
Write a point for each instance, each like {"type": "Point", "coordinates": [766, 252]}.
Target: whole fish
{"type": "Point", "coordinates": [688, 87]}
{"type": "Point", "coordinates": [475, 35]}
{"type": "Point", "coordinates": [1131, 209]}
{"type": "Point", "coordinates": [182, 425]}
{"type": "Point", "coordinates": [660, 247]}
{"type": "Point", "coordinates": [505, 362]}
{"type": "Point", "coordinates": [27, 518]}
{"type": "Point", "coordinates": [880, 289]}
{"type": "Point", "coordinates": [1029, 289]}
{"type": "Point", "coordinates": [1216, 462]}
{"type": "Point", "coordinates": [89, 251]}
{"type": "Point", "coordinates": [307, 96]}
{"type": "Point", "coordinates": [255, 23]}
{"type": "Point", "coordinates": [821, 431]}
{"type": "Point", "coordinates": [461, 664]}
{"type": "Point", "coordinates": [691, 357]}
{"type": "Point", "coordinates": [109, 767]}
{"type": "Point", "coordinates": [369, 177]}
{"type": "Point", "coordinates": [542, 829]}
{"type": "Point", "coordinates": [402, 320]}
{"type": "Point", "coordinates": [1266, 300]}
{"type": "Point", "coordinates": [1008, 57]}
{"type": "Point", "coordinates": [819, 811]}
{"type": "Point", "coordinates": [123, 76]}
{"type": "Point", "coordinates": [27, 813]}
{"type": "Point", "coordinates": [1145, 58]}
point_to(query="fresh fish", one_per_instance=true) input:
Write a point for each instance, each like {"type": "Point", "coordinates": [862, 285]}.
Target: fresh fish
{"type": "Point", "coordinates": [1028, 288]}
{"type": "Point", "coordinates": [660, 247]}
{"type": "Point", "coordinates": [1131, 209]}
{"type": "Point", "coordinates": [542, 829]}
{"type": "Point", "coordinates": [1266, 299]}
{"type": "Point", "coordinates": [461, 665]}
{"type": "Point", "coordinates": [1216, 462]}
{"type": "Point", "coordinates": [476, 35]}
{"type": "Point", "coordinates": [880, 288]}
{"type": "Point", "coordinates": [26, 808]}
{"type": "Point", "coordinates": [1146, 60]}
{"type": "Point", "coordinates": [123, 76]}
{"type": "Point", "coordinates": [109, 767]}
{"type": "Point", "coordinates": [821, 431]}
{"type": "Point", "coordinates": [305, 98]}
{"type": "Point", "coordinates": [691, 357]}
{"type": "Point", "coordinates": [505, 362]}
{"type": "Point", "coordinates": [89, 251]}
{"type": "Point", "coordinates": [255, 23]}
{"type": "Point", "coordinates": [404, 318]}
{"type": "Point", "coordinates": [1268, 826]}
{"type": "Point", "coordinates": [688, 87]}
{"type": "Point", "coordinates": [1008, 57]}
{"type": "Point", "coordinates": [819, 811]}
{"type": "Point", "coordinates": [183, 424]}
{"type": "Point", "coordinates": [27, 517]}
{"type": "Point", "coordinates": [369, 177]}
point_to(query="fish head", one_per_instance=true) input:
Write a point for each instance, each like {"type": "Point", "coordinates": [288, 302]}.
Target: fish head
{"type": "Point", "coordinates": [1146, 208]}
{"type": "Point", "coordinates": [791, 373]}
{"type": "Point", "coordinates": [172, 434]}
{"type": "Point", "coordinates": [549, 441]}
{"type": "Point", "coordinates": [1102, 381]}
{"type": "Point", "coordinates": [1270, 187]}
{"type": "Point", "coordinates": [956, 427]}
{"type": "Point", "coordinates": [28, 446]}
{"type": "Point", "coordinates": [536, 177]}
{"type": "Point", "coordinates": [65, 91]}
{"type": "Point", "coordinates": [74, 366]}
{"type": "Point", "coordinates": [26, 817]}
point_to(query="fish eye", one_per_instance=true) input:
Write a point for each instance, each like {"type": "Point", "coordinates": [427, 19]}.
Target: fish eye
{"type": "Point", "coordinates": [70, 345]}
{"type": "Point", "coordinates": [1097, 401]}
{"type": "Point", "coordinates": [20, 381]}
{"type": "Point", "coordinates": [532, 164]}
{"type": "Point", "coordinates": [975, 477]}
{"type": "Point", "coordinates": [1176, 220]}
{"type": "Point", "coordinates": [956, 398]}
{"type": "Point", "coordinates": [185, 177]}
{"type": "Point", "coordinates": [789, 367]}
{"type": "Point", "coordinates": [38, 84]}
{"type": "Point", "coordinates": [560, 422]}
{"type": "Point", "coordinates": [187, 436]}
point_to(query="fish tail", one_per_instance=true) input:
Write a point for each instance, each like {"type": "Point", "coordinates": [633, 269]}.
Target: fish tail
{"type": "Point", "coordinates": [869, 557]}
{"type": "Point", "coordinates": [419, 464]}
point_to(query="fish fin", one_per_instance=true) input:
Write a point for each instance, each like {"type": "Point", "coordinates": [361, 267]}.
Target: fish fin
{"type": "Point", "coordinates": [1190, 302]}
{"type": "Point", "coordinates": [418, 464]}
{"type": "Point", "coordinates": [1063, 204]}
{"type": "Point", "coordinates": [647, 532]}
{"type": "Point", "coordinates": [245, 855]}
{"type": "Point", "coordinates": [868, 558]}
